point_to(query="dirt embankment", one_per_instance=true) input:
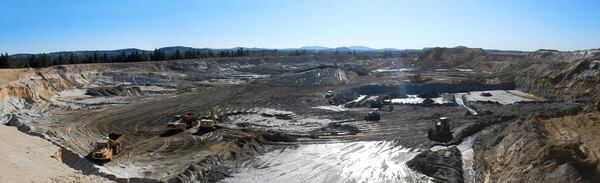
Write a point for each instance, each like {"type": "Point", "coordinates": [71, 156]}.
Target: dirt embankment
{"type": "Point", "coordinates": [443, 166]}
{"type": "Point", "coordinates": [562, 56]}
{"type": "Point", "coordinates": [554, 75]}
{"type": "Point", "coordinates": [27, 158]}
{"type": "Point", "coordinates": [556, 146]}
{"type": "Point", "coordinates": [560, 149]}
{"type": "Point", "coordinates": [570, 81]}
{"type": "Point", "coordinates": [445, 57]}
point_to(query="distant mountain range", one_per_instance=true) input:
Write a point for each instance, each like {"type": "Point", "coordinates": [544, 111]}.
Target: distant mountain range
{"type": "Point", "coordinates": [183, 49]}
{"type": "Point", "coordinates": [173, 49]}
{"type": "Point", "coordinates": [349, 48]}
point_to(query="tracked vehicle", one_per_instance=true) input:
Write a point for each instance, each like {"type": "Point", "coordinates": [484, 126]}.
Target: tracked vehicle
{"type": "Point", "coordinates": [441, 131]}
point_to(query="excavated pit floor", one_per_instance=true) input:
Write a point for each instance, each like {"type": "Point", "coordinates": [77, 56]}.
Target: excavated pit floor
{"type": "Point", "coordinates": [322, 152]}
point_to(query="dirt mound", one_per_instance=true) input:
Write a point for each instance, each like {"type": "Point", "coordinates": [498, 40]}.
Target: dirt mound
{"type": "Point", "coordinates": [564, 148]}
{"type": "Point", "coordinates": [28, 159]}
{"type": "Point", "coordinates": [571, 81]}
{"type": "Point", "coordinates": [278, 137]}
{"type": "Point", "coordinates": [322, 75]}
{"type": "Point", "coordinates": [561, 56]}
{"type": "Point", "coordinates": [443, 165]}
{"type": "Point", "coordinates": [114, 91]}
{"type": "Point", "coordinates": [446, 57]}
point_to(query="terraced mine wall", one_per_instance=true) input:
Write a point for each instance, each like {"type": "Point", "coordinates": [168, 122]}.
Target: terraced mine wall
{"type": "Point", "coordinates": [569, 81]}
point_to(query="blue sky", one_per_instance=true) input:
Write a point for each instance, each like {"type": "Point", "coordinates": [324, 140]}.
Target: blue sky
{"type": "Point", "coordinates": [33, 26]}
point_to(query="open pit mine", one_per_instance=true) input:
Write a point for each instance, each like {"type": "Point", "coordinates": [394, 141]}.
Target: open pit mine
{"type": "Point", "coordinates": [435, 115]}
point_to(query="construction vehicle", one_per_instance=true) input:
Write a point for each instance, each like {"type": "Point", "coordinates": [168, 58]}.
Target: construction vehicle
{"type": "Point", "coordinates": [373, 116]}
{"type": "Point", "coordinates": [329, 94]}
{"type": "Point", "coordinates": [209, 123]}
{"type": "Point", "coordinates": [107, 149]}
{"type": "Point", "coordinates": [441, 132]}
{"type": "Point", "coordinates": [183, 121]}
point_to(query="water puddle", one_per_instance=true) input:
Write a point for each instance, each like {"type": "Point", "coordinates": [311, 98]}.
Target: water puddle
{"type": "Point", "coordinates": [413, 99]}
{"type": "Point", "coordinates": [459, 100]}
{"type": "Point", "coordinates": [466, 149]}
{"type": "Point", "coordinates": [501, 96]}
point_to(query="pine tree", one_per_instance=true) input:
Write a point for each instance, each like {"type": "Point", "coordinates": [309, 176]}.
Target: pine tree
{"type": "Point", "coordinates": [105, 58]}
{"type": "Point", "coordinates": [4, 61]}
{"type": "Point", "coordinates": [44, 60]}
{"type": "Point", "coordinates": [95, 58]}
{"type": "Point", "coordinates": [157, 55]}
{"type": "Point", "coordinates": [33, 62]}
{"type": "Point", "coordinates": [60, 60]}
{"type": "Point", "coordinates": [177, 55]}
{"type": "Point", "coordinates": [211, 53]}
{"type": "Point", "coordinates": [72, 59]}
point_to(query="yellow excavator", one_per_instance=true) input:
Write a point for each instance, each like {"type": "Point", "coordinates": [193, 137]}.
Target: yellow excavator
{"type": "Point", "coordinates": [209, 123]}
{"type": "Point", "coordinates": [106, 150]}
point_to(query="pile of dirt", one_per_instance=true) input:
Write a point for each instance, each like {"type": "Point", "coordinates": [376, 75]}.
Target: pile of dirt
{"type": "Point", "coordinates": [30, 159]}
{"type": "Point", "coordinates": [561, 56]}
{"type": "Point", "coordinates": [278, 137]}
{"type": "Point", "coordinates": [444, 165]}
{"type": "Point", "coordinates": [571, 81]}
{"type": "Point", "coordinates": [114, 91]}
{"type": "Point", "coordinates": [321, 75]}
{"type": "Point", "coordinates": [446, 57]}
{"type": "Point", "coordinates": [563, 149]}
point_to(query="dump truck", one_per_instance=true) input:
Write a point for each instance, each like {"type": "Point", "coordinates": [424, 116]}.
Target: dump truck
{"type": "Point", "coordinates": [183, 121]}
{"type": "Point", "coordinates": [441, 131]}
{"type": "Point", "coordinates": [107, 149]}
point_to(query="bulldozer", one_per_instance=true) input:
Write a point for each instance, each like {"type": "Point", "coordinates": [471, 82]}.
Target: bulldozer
{"type": "Point", "coordinates": [107, 149]}
{"type": "Point", "coordinates": [183, 121]}
{"type": "Point", "coordinates": [441, 132]}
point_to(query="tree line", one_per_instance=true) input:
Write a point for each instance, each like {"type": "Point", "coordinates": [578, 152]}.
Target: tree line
{"type": "Point", "coordinates": [46, 60]}
{"type": "Point", "coordinates": [4, 61]}
{"type": "Point", "coordinates": [64, 58]}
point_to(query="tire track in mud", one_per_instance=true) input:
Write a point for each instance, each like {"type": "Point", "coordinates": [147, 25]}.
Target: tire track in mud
{"type": "Point", "coordinates": [142, 122]}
